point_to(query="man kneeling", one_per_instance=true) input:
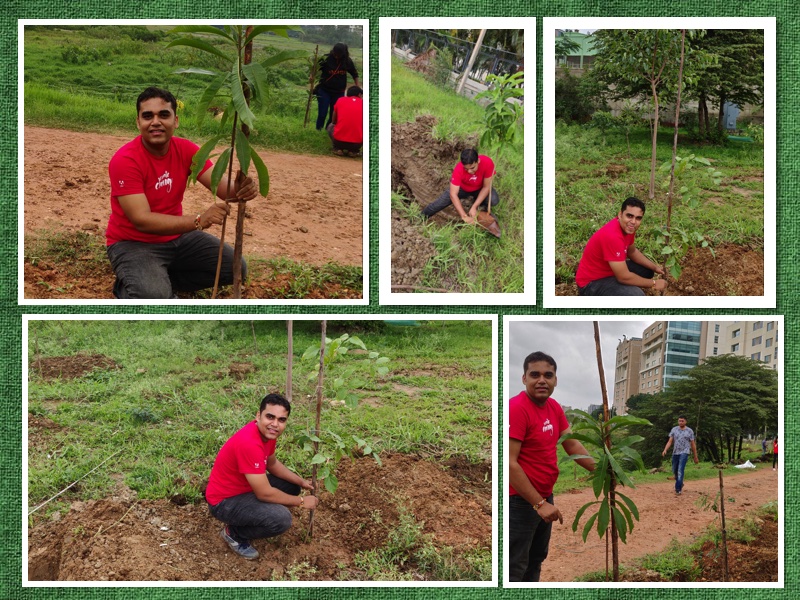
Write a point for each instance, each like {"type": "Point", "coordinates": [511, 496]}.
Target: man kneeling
{"type": "Point", "coordinates": [240, 493]}
{"type": "Point", "coordinates": [611, 264]}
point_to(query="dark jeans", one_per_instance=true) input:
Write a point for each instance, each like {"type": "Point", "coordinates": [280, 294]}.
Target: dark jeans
{"type": "Point", "coordinates": [248, 518]}
{"type": "Point", "coordinates": [678, 467]}
{"type": "Point", "coordinates": [528, 540]}
{"type": "Point", "coordinates": [443, 201]}
{"type": "Point", "coordinates": [325, 101]}
{"type": "Point", "coordinates": [156, 271]}
{"type": "Point", "coordinates": [609, 286]}
{"type": "Point", "coordinates": [353, 147]}
{"type": "Point", "coordinates": [774, 459]}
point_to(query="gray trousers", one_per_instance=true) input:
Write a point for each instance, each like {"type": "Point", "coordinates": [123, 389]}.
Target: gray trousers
{"type": "Point", "coordinates": [443, 201]}
{"type": "Point", "coordinates": [248, 518]}
{"type": "Point", "coordinates": [156, 271]}
{"type": "Point", "coordinates": [609, 286]}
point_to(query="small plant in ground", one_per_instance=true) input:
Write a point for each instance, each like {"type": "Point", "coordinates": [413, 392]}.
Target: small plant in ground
{"type": "Point", "coordinates": [500, 117]}
{"type": "Point", "coordinates": [605, 122]}
{"type": "Point", "coordinates": [674, 563]}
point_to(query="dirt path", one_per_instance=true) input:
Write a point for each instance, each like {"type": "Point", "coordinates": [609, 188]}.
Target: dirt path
{"type": "Point", "coordinates": [312, 214]}
{"type": "Point", "coordinates": [663, 515]}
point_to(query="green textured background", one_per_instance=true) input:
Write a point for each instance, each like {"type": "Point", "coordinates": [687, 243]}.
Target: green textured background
{"type": "Point", "coordinates": [788, 56]}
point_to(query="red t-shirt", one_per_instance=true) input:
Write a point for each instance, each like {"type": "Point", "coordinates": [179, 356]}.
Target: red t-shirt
{"type": "Point", "coordinates": [349, 125]}
{"type": "Point", "coordinates": [608, 244]}
{"type": "Point", "coordinates": [162, 179]}
{"type": "Point", "coordinates": [244, 453]}
{"type": "Point", "coordinates": [538, 429]}
{"type": "Point", "coordinates": [473, 182]}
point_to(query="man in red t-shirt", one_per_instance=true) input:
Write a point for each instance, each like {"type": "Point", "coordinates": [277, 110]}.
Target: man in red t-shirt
{"type": "Point", "coordinates": [611, 265]}
{"type": "Point", "coordinates": [535, 423]}
{"type": "Point", "coordinates": [249, 489]}
{"type": "Point", "coordinates": [472, 177]}
{"type": "Point", "coordinates": [154, 249]}
{"type": "Point", "coordinates": [347, 127]}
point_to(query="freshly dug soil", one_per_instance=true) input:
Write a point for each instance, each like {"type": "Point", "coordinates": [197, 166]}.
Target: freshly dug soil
{"type": "Point", "coordinates": [120, 538]}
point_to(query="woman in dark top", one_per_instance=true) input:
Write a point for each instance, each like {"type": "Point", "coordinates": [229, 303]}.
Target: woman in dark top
{"type": "Point", "coordinates": [334, 68]}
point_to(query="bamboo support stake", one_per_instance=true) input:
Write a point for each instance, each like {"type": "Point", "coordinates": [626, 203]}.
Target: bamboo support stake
{"type": "Point", "coordinates": [320, 381]}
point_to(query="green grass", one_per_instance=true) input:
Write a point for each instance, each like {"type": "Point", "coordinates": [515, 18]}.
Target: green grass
{"type": "Point", "coordinates": [88, 80]}
{"type": "Point", "coordinates": [172, 403]}
{"type": "Point", "coordinates": [468, 259]}
{"type": "Point", "coordinates": [586, 196]}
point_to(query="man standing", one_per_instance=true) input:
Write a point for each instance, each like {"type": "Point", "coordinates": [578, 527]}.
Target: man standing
{"type": "Point", "coordinates": [251, 503]}
{"type": "Point", "coordinates": [683, 438]}
{"type": "Point", "coordinates": [473, 176]}
{"type": "Point", "coordinates": [611, 264]}
{"type": "Point", "coordinates": [536, 422]}
{"type": "Point", "coordinates": [154, 249]}
{"type": "Point", "coordinates": [347, 127]}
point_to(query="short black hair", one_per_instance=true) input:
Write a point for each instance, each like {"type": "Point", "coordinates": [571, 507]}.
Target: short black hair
{"type": "Point", "coordinates": [682, 417]}
{"type": "Point", "coordinates": [635, 202]}
{"type": "Point", "coordinates": [538, 357]}
{"type": "Point", "coordinates": [469, 156]}
{"type": "Point", "coordinates": [340, 50]}
{"type": "Point", "coordinates": [154, 92]}
{"type": "Point", "coordinates": [277, 400]}
{"type": "Point", "coordinates": [354, 90]}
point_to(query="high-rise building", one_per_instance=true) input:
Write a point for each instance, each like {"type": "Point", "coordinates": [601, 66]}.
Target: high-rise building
{"type": "Point", "coordinates": [626, 373]}
{"type": "Point", "coordinates": [669, 348]}
{"type": "Point", "coordinates": [756, 340]}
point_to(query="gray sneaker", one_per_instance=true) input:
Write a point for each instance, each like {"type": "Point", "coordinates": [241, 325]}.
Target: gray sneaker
{"type": "Point", "coordinates": [242, 548]}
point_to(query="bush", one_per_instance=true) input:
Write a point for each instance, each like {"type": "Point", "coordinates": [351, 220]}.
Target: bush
{"type": "Point", "coordinates": [441, 67]}
{"type": "Point", "coordinates": [576, 98]}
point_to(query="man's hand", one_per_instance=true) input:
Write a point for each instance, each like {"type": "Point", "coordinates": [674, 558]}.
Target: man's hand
{"type": "Point", "coordinates": [246, 189]}
{"type": "Point", "coordinates": [307, 485]}
{"type": "Point", "coordinates": [696, 460]}
{"type": "Point", "coordinates": [660, 284]}
{"type": "Point", "coordinates": [664, 453]}
{"type": "Point", "coordinates": [550, 513]}
{"type": "Point", "coordinates": [469, 219]}
{"type": "Point", "coordinates": [310, 502]}
{"type": "Point", "coordinates": [658, 269]}
{"type": "Point", "coordinates": [214, 214]}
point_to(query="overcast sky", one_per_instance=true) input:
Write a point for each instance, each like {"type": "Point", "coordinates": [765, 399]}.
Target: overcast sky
{"type": "Point", "coordinates": [571, 344]}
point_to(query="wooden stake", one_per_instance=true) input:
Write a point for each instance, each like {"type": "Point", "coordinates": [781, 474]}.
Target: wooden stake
{"type": "Point", "coordinates": [320, 381]}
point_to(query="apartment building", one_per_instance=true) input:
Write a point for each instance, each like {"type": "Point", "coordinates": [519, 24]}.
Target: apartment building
{"type": "Point", "coordinates": [626, 373]}
{"type": "Point", "coordinates": [756, 340]}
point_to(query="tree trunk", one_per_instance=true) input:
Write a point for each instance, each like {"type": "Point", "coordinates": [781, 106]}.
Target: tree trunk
{"type": "Point", "coordinates": [724, 532]}
{"type": "Point", "coordinates": [289, 359]}
{"type": "Point", "coordinates": [675, 142]}
{"type": "Point", "coordinates": [652, 192]}
{"type": "Point", "coordinates": [721, 116]}
{"type": "Point", "coordinates": [320, 381]}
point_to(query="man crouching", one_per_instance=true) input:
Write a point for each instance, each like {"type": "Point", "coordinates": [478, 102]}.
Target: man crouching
{"type": "Point", "coordinates": [249, 489]}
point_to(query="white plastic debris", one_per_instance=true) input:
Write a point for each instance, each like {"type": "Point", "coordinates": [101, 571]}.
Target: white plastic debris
{"type": "Point", "coordinates": [746, 465]}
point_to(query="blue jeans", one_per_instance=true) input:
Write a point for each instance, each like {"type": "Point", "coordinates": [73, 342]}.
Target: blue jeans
{"type": "Point", "coordinates": [156, 271]}
{"type": "Point", "coordinates": [443, 201]}
{"type": "Point", "coordinates": [678, 467]}
{"type": "Point", "coordinates": [528, 540]}
{"type": "Point", "coordinates": [325, 101]}
{"type": "Point", "coordinates": [609, 286]}
{"type": "Point", "coordinates": [249, 518]}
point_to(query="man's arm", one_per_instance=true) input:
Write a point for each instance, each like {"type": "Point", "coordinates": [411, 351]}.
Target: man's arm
{"type": "Point", "coordinates": [278, 469]}
{"type": "Point", "coordinates": [694, 451]}
{"type": "Point", "coordinates": [520, 482]}
{"type": "Point", "coordinates": [247, 190]}
{"type": "Point", "coordinates": [640, 259]}
{"type": "Point", "coordinates": [266, 493]}
{"type": "Point", "coordinates": [669, 443]}
{"type": "Point", "coordinates": [482, 195]}
{"type": "Point", "coordinates": [137, 209]}
{"type": "Point", "coordinates": [573, 447]}
{"type": "Point", "coordinates": [625, 277]}
{"type": "Point", "coordinates": [457, 203]}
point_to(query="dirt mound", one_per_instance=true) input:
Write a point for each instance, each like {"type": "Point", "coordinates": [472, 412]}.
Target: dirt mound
{"type": "Point", "coordinates": [71, 367]}
{"type": "Point", "coordinates": [411, 251]}
{"type": "Point", "coordinates": [128, 540]}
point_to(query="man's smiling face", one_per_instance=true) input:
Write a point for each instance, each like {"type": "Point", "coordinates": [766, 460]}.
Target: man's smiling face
{"type": "Point", "coordinates": [271, 421]}
{"type": "Point", "coordinates": [630, 219]}
{"type": "Point", "coordinates": [156, 122]}
{"type": "Point", "coordinates": [540, 380]}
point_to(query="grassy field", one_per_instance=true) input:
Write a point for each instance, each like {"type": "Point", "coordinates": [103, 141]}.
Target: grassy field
{"type": "Point", "coordinates": [176, 396]}
{"type": "Point", "coordinates": [594, 174]}
{"type": "Point", "coordinates": [477, 263]}
{"type": "Point", "coordinates": [87, 79]}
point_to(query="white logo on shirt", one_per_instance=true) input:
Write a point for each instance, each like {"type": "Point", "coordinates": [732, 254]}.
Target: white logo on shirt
{"type": "Point", "coordinates": [121, 183]}
{"type": "Point", "coordinates": [164, 181]}
{"type": "Point", "coordinates": [256, 465]}
{"type": "Point", "coordinates": [548, 426]}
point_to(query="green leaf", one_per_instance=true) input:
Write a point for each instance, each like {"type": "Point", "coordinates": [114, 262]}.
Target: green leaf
{"type": "Point", "coordinates": [368, 450]}
{"type": "Point", "coordinates": [382, 370]}
{"type": "Point", "coordinates": [331, 483]}
{"type": "Point", "coordinates": [242, 150]}
{"type": "Point", "coordinates": [359, 442]}
{"type": "Point", "coordinates": [619, 522]}
{"type": "Point", "coordinates": [377, 459]}
{"type": "Point", "coordinates": [374, 354]}
{"type": "Point", "coordinates": [627, 514]}
{"type": "Point", "coordinates": [588, 527]}
{"type": "Point", "coordinates": [201, 156]}
{"type": "Point", "coordinates": [314, 438]}
{"type": "Point", "coordinates": [629, 441]}
{"type": "Point", "coordinates": [701, 160]}
{"type": "Point", "coordinates": [239, 101]}
{"type": "Point", "coordinates": [382, 360]}
{"type": "Point", "coordinates": [201, 29]}
{"type": "Point", "coordinates": [194, 71]}
{"type": "Point", "coordinates": [200, 45]}
{"type": "Point", "coordinates": [351, 401]}
{"type": "Point", "coordinates": [283, 56]}
{"type": "Point", "coordinates": [667, 250]}
{"type": "Point", "coordinates": [263, 175]}
{"type": "Point", "coordinates": [675, 271]}
{"type": "Point", "coordinates": [323, 472]}
{"type": "Point", "coordinates": [599, 475]}
{"type": "Point", "coordinates": [318, 459]}
{"type": "Point", "coordinates": [580, 512]}
{"type": "Point", "coordinates": [281, 30]}
{"type": "Point", "coordinates": [257, 78]}
{"type": "Point", "coordinates": [622, 477]}
{"type": "Point", "coordinates": [208, 96]}
{"type": "Point", "coordinates": [219, 169]}
{"type": "Point", "coordinates": [629, 503]}
{"type": "Point", "coordinates": [356, 341]}
{"type": "Point", "coordinates": [603, 517]}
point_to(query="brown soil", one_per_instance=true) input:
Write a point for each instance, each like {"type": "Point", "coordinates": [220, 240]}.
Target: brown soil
{"type": "Point", "coordinates": [734, 271]}
{"type": "Point", "coordinates": [312, 214]}
{"type": "Point", "coordinates": [71, 367]}
{"type": "Point", "coordinates": [663, 516]}
{"type": "Point", "coordinates": [123, 539]}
